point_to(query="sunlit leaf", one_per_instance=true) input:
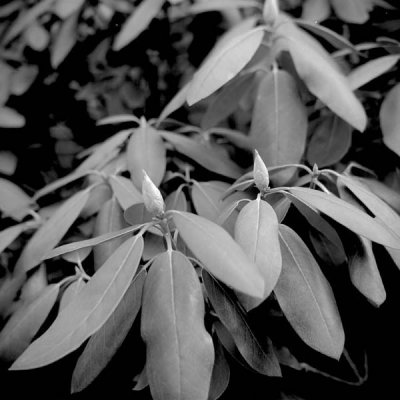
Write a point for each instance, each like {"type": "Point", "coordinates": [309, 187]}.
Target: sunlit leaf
{"type": "Point", "coordinates": [14, 202]}
{"type": "Point", "coordinates": [25, 323]}
{"type": "Point", "coordinates": [8, 235]}
{"type": "Point", "coordinates": [260, 357]}
{"type": "Point", "coordinates": [71, 292]}
{"type": "Point", "coordinates": [219, 253]}
{"type": "Point", "coordinates": [103, 345]}
{"type": "Point", "coordinates": [224, 65]}
{"type": "Point", "coordinates": [146, 151]}
{"type": "Point", "coordinates": [179, 350]}
{"type": "Point", "coordinates": [306, 297]}
{"type": "Point", "coordinates": [219, 5]}
{"type": "Point", "coordinates": [137, 22]}
{"type": "Point", "coordinates": [125, 191]}
{"type": "Point", "coordinates": [256, 230]}
{"type": "Point", "coordinates": [389, 117]}
{"type": "Point", "coordinates": [90, 309]}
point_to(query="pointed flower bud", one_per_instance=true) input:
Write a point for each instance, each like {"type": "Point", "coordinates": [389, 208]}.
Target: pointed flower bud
{"type": "Point", "coordinates": [152, 197]}
{"type": "Point", "coordinates": [271, 11]}
{"type": "Point", "coordinates": [260, 173]}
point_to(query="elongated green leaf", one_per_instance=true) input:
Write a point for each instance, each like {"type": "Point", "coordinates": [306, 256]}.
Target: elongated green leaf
{"type": "Point", "coordinates": [306, 297]}
{"type": "Point", "coordinates": [8, 235]}
{"type": "Point", "coordinates": [220, 374]}
{"type": "Point", "coordinates": [256, 230]}
{"type": "Point", "coordinates": [279, 123]}
{"type": "Point", "coordinates": [52, 231]}
{"type": "Point", "coordinates": [390, 119]}
{"type": "Point", "coordinates": [88, 311]}
{"type": "Point", "coordinates": [179, 350]}
{"type": "Point", "coordinates": [316, 10]}
{"type": "Point", "coordinates": [14, 202]}
{"type": "Point", "coordinates": [320, 75]}
{"type": "Point", "coordinates": [65, 40]}
{"type": "Point", "coordinates": [347, 215]}
{"type": "Point", "coordinates": [125, 191]}
{"type": "Point", "coordinates": [370, 70]}
{"type": "Point", "coordinates": [208, 155]}
{"type": "Point", "coordinates": [330, 142]}
{"type": "Point", "coordinates": [26, 18]}
{"type": "Point", "coordinates": [146, 151]}
{"type": "Point", "coordinates": [109, 219]}
{"type": "Point", "coordinates": [25, 323]}
{"type": "Point", "coordinates": [226, 102]}
{"type": "Point", "coordinates": [65, 8]}
{"type": "Point", "coordinates": [219, 253]}
{"type": "Point", "coordinates": [107, 340]}
{"type": "Point", "coordinates": [224, 64]}
{"type": "Point", "coordinates": [137, 22]}
{"type": "Point", "coordinates": [383, 213]}
{"type": "Point", "coordinates": [353, 11]}
{"type": "Point", "coordinates": [261, 358]}
{"type": "Point", "coordinates": [70, 247]}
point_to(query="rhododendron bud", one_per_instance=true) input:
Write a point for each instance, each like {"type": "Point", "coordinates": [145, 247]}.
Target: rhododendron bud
{"type": "Point", "coordinates": [152, 197]}
{"type": "Point", "coordinates": [271, 11]}
{"type": "Point", "coordinates": [260, 173]}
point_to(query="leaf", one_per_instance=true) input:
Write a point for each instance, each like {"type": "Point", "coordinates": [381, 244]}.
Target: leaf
{"type": "Point", "coordinates": [8, 162]}
{"type": "Point", "coordinates": [224, 64]}
{"type": "Point", "coordinates": [14, 202]}
{"type": "Point", "coordinates": [176, 200]}
{"type": "Point", "coordinates": [23, 78]}
{"type": "Point", "coordinates": [220, 5]}
{"type": "Point", "coordinates": [25, 323]}
{"type": "Point", "coordinates": [52, 231]}
{"type": "Point", "coordinates": [209, 155]}
{"type": "Point", "coordinates": [220, 374]}
{"type": "Point", "coordinates": [371, 70]}
{"type": "Point", "coordinates": [347, 215]}
{"type": "Point", "coordinates": [71, 292]}
{"type": "Point", "coordinates": [279, 122]}
{"type": "Point", "coordinates": [125, 191]}
{"type": "Point", "coordinates": [176, 102]}
{"type": "Point", "coordinates": [179, 350]}
{"type": "Point", "coordinates": [219, 253]}
{"type": "Point", "coordinates": [316, 10]}
{"type": "Point", "coordinates": [262, 360]}
{"type": "Point", "coordinates": [330, 141]}
{"type": "Point", "coordinates": [226, 102]}
{"type": "Point", "coordinates": [103, 345]}
{"type": "Point", "coordinates": [389, 117]}
{"type": "Point", "coordinates": [321, 76]}
{"type": "Point", "coordinates": [65, 8]}
{"type": "Point", "coordinates": [306, 298]}
{"type": "Point", "coordinates": [109, 219]}
{"type": "Point", "coordinates": [25, 18]}
{"type": "Point", "coordinates": [353, 11]}
{"type": "Point", "coordinates": [34, 285]}
{"type": "Point", "coordinates": [36, 36]}
{"type": "Point", "coordinates": [9, 118]}
{"type": "Point", "coordinates": [8, 235]}
{"type": "Point", "coordinates": [65, 40]}
{"type": "Point", "coordinates": [383, 213]}
{"type": "Point", "coordinates": [138, 21]}
{"type": "Point", "coordinates": [153, 246]}
{"type": "Point", "coordinates": [88, 311]}
{"type": "Point", "coordinates": [256, 231]}
{"type": "Point", "coordinates": [146, 151]}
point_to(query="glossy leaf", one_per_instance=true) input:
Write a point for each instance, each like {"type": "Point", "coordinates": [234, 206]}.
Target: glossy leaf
{"type": "Point", "coordinates": [109, 219]}
{"type": "Point", "coordinates": [347, 215]}
{"type": "Point", "coordinates": [209, 155]}
{"type": "Point", "coordinates": [25, 323]}
{"type": "Point", "coordinates": [52, 231]}
{"type": "Point", "coordinates": [279, 123]}
{"type": "Point", "coordinates": [330, 141]}
{"type": "Point", "coordinates": [8, 235]}
{"type": "Point", "coordinates": [179, 350]}
{"type": "Point", "coordinates": [390, 119]}
{"type": "Point", "coordinates": [88, 311]}
{"type": "Point", "coordinates": [371, 70]}
{"type": "Point", "coordinates": [306, 298]}
{"type": "Point", "coordinates": [146, 151]}
{"type": "Point", "coordinates": [226, 102]}
{"type": "Point", "coordinates": [224, 64]}
{"type": "Point", "coordinates": [320, 75]}
{"type": "Point", "coordinates": [65, 40]}
{"type": "Point", "coordinates": [125, 191]}
{"type": "Point", "coordinates": [71, 292]}
{"type": "Point", "coordinates": [14, 202]}
{"type": "Point", "coordinates": [103, 345]}
{"type": "Point", "coordinates": [137, 22]}
{"type": "Point", "coordinates": [261, 358]}
{"type": "Point", "coordinates": [219, 253]}
{"type": "Point", "coordinates": [256, 230]}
